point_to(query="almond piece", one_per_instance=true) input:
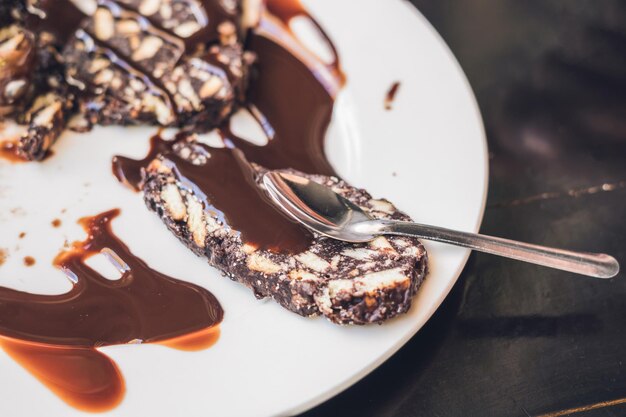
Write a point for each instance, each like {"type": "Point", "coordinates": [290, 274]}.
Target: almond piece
{"type": "Point", "coordinates": [148, 48]}
{"type": "Point", "coordinates": [174, 202]}
{"type": "Point", "coordinates": [149, 7]}
{"type": "Point", "coordinates": [187, 29]}
{"type": "Point", "coordinates": [211, 87]}
{"type": "Point", "coordinates": [104, 25]}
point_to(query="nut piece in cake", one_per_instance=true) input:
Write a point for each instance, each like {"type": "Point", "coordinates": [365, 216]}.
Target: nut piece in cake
{"type": "Point", "coordinates": [17, 62]}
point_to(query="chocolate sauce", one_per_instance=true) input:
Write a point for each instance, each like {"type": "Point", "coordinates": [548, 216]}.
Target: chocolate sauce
{"type": "Point", "coordinates": [59, 17]}
{"type": "Point", "coordinates": [55, 336]}
{"type": "Point", "coordinates": [226, 185]}
{"type": "Point", "coordinates": [9, 151]}
{"type": "Point", "coordinates": [293, 108]}
{"type": "Point", "coordinates": [82, 377]}
{"type": "Point", "coordinates": [29, 261]}
{"type": "Point", "coordinates": [291, 96]}
{"type": "Point", "coordinates": [128, 171]}
{"type": "Point", "coordinates": [194, 342]}
{"type": "Point", "coordinates": [391, 95]}
{"type": "Point", "coordinates": [287, 10]}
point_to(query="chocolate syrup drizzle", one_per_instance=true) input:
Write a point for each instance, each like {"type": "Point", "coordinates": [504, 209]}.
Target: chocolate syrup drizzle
{"type": "Point", "coordinates": [292, 96]}
{"type": "Point", "coordinates": [59, 17]}
{"type": "Point", "coordinates": [55, 337]}
{"type": "Point", "coordinates": [227, 186]}
{"type": "Point", "coordinates": [293, 108]}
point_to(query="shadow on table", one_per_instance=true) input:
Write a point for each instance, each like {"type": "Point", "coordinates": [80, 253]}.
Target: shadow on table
{"type": "Point", "coordinates": [529, 326]}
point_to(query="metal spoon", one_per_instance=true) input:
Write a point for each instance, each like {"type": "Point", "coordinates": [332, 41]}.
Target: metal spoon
{"type": "Point", "coordinates": [326, 212]}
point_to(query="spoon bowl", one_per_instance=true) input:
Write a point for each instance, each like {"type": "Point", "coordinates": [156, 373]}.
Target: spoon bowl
{"type": "Point", "coordinates": [319, 208]}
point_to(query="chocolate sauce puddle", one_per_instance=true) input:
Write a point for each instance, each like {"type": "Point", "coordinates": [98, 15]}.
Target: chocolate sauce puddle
{"type": "Point", "coordinates": [292, 95]}
{"type": "Point", "coordinates": [67, 18]}
{"type": "Point", "coordinates": [82, 377]}
{"type": "Point", "coordinates": [226, 185]}
{"type": "Point", "coordinates": [55, 337]}
{"type": "Point", "coordinates": [293, 108]}
{"type": "Point", "coordinates": [128, 170]}
{"type": "Point", "coordinates": [287, 10]}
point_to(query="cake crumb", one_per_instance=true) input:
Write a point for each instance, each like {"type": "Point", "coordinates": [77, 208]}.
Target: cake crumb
{"type": "Point", "coordinates": [29, 261]}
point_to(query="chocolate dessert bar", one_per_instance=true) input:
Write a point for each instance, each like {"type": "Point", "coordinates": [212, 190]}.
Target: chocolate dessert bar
{"type": "Point", "coordinates": [347, 283]}
{"type": "Point", "coordinates": [166, 62]}
{"type": "Point", "coordinates": [46, 120]}
{"type": "Point", "coordinates": [32, 89]}
{"type": "Point", "coordinates": [158, 62]}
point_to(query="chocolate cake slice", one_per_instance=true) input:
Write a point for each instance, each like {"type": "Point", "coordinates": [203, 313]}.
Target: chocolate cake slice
{"type": "Point", "coordinates": [347, 283]}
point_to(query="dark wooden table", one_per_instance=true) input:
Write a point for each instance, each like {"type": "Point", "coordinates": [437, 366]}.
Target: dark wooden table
{"type": "Point", "coordinates": [514, 339]}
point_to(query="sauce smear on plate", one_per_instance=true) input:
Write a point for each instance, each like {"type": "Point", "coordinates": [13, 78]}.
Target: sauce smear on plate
{"type": "Point", "coordinates": [55, 336]}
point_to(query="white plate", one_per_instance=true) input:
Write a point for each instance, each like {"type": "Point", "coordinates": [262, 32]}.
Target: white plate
{"type": "Point", "coordinates": [427, 155]}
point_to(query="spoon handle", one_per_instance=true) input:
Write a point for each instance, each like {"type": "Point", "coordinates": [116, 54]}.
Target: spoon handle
{"type": "Point", "coordinates": [597, 265]}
